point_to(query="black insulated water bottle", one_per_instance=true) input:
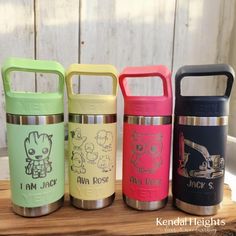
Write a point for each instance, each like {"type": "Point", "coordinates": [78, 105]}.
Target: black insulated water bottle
{"type": "Point", "coordinates": [200, 135]}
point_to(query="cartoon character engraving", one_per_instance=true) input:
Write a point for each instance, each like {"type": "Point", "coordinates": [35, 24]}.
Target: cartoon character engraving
{"type": "Point", "coordinates": [38, 148]}
{"type": "Point", "coordinates": [86, 152]}
{"type": "Point", "coordinates": [78, 161]}
{"type": "Point", "coordinates": [77, 139]}
{"type": "Point", "coordinates": [146, 152]}
{"type": "Point", "coordinates": [104, 139]}
{"type": "Point", "coordinates": [91, 156]}
{"type": "Point", "coordinates": [104, 163]}
{"type": "Point", "coordinates": [208, 167]}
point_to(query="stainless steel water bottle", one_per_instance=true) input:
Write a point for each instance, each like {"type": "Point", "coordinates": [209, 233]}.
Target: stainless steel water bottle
{"type": "Point", "coordinates": [35, 137]}
{"type": "Point", "coordinates": [92, 140]}
{"type": "Point", "coordinates": [146, 141]}
{"type": "Point", "coordinates": [200, 133]}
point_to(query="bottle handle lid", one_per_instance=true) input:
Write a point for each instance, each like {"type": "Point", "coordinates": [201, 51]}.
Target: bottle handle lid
{"type": "Point", "coordinates": [143, 72]}
{"type": "Point", "coordinates": [30, 65]}
{"type": "Point", "coordinates": [205, 70]}
{"type": "Point", "coordinates": [88, 69]}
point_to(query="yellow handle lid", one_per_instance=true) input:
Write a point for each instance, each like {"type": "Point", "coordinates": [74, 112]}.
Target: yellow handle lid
{"type": "Point", "coordinates": [91, 103]}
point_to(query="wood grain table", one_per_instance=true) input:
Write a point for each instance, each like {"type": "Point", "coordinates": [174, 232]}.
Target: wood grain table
{"type": "Point", "coordinates": [117, 219]}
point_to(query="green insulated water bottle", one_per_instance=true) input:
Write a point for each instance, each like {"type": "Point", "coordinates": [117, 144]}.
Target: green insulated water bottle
{"type": "Point", "coordinates": [35, 136]}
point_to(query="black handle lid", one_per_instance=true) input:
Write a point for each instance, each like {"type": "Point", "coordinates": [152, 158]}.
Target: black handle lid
{"type": "Point", "coordinates": [203, 105]}
{"type": "Point", "coordinates": [206, 70]}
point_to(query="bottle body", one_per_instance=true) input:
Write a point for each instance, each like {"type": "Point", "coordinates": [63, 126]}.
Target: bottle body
{"type": "Point", "coordinates": [36, 158]}
{"type": "Point", "coordinates": [146, 159]}
{"type": "Point", "coordinates": [92, 155]}
{"type": "Point", "coordinates": [199, 163]}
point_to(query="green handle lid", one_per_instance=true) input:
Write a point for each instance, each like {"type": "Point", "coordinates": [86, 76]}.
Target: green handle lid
{"type": "Point", "coordinates": [33, 103]}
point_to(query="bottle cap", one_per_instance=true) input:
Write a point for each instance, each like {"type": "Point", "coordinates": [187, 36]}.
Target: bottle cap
{"type": "Point", "coordinates": [91, 103]}
{"type": "Point", "coordinates": [147, 105]}
{"type": "Point", "coordinates": [33, 103]}
{"type": "Point", "coordinates": [203, 106]}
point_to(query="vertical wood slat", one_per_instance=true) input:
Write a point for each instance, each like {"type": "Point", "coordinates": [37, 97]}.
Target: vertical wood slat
{"type": "Point", "coordinates": [57, 27]}
{"type": "Point", "coordinates": [16, 39]}
{"type": "Point", "coordinates": [202, 34]}
{"type": "Point", "coordinates": [232, 61]}
{"type": "Point", "coordinates": [126, 33]}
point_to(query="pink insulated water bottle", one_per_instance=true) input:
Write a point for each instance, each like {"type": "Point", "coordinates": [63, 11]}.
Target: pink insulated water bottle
{"type": "Point", "coordinates": [146, 141]}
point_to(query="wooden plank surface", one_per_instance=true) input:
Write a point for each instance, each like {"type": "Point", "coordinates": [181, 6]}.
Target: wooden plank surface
{"type": "Point", "coordinates": [57, 27]}
{"type": "Point", "coordinates": [16, 39]}
{"type": "Point", "coordinates": [202, 34]}
{"type": "Point", "coordinates": [232, 61]}
{"type": "Point", "coordinates": [127, 33]}
{"type": "Point", "coordinates": [118, 219]}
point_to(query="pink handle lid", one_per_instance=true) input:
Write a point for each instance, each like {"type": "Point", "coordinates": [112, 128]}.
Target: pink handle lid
{"type": "Point", "coordinates": [147, 105]}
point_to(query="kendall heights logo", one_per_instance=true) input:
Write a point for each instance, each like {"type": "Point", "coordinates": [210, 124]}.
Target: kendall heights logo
{"type": "Point", "coordinates": [197, 224]}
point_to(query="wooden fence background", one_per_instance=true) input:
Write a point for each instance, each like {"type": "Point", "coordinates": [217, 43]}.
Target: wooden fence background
{"type": "Point", "coordinates": [122, 33]}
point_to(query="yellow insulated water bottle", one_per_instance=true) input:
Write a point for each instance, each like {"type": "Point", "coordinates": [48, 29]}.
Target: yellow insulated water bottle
{"type": "Point", "coordinates": [92, 140]}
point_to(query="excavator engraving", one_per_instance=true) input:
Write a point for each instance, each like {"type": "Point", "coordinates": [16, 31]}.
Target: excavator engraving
{"type": "Point", "coordinates": [212, 167]}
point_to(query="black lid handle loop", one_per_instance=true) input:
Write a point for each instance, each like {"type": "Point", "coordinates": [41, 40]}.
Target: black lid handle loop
{"type": "Point", "coordinates": [205, 70]}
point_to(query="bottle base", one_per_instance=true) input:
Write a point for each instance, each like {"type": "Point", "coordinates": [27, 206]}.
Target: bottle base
{"type": "Point", "coordinates": [38, 211]}
{"type": "Point", "coordinates": [144, 206]}
{"type": "Point", "coordinates": [92, 204]}
{"type": "Point", "coordinates": [196, 209]}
